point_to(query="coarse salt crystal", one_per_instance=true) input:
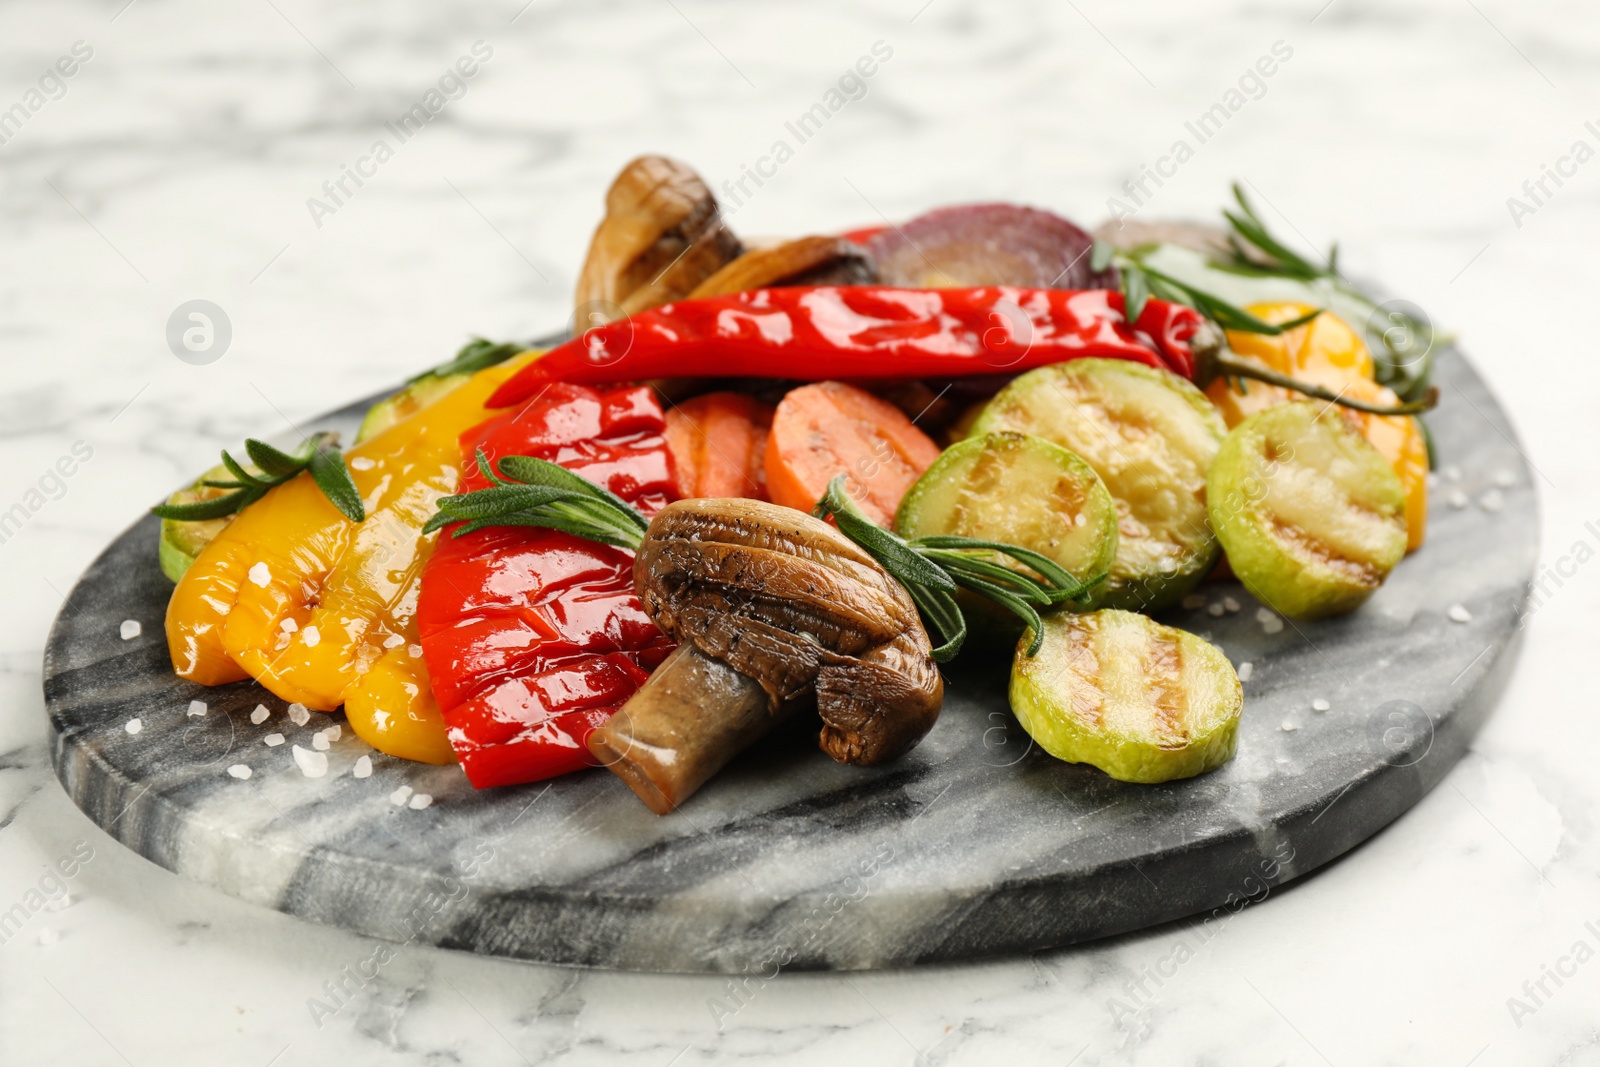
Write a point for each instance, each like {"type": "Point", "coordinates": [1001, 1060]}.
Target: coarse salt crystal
{"type": "Point", "coordinates": [260, 575]}
{"type": "Point", "coordinates": [1452, 473]}
{"type": "Point", "coordinates": [197, 708]}
{"type": "Point", "coordinates": [420, 801]}
{"type": "Point", "coordinates": [399, 797]}
{"type": "Point", "coordinates": [1505, 479]}
{"type": "Point", "coordinates": [288, 626]}
{"type": "Point", "coordinates": [319, 741]}
{"type": "Point", "coordinates": [1215, 610]}
{"type": "Point", "coordinates": [48, 936]}
{"type": "Point", "coordinates": [273, 740]}
{"type": "Point", "coordinates": [133, 726]}
{"type": "Point", "coordinates": [298, 712]}
{"type": "Point", "coordinates": [1265, 615]}
{"type": "Point", "coordinates": [1457, 613]}
{"type": "Point", "coordinates": [239, 770]}
{"type": "Point", "coordinates": [131, 629]}
{"type": "Point", "coordinates": [334, 732]}
{"type": "Point", "coordinates": [1231, 604]}
{"type": "Point", "coordinates": [1492, 501]}
{"type": "Point", "coordinates": [311, 637]}
{"type": "Point", "coordinates": [1288, 726]}
{"type": "Point", "coordinates": [1273, 625]}
{"type": "Point", "coordinates": [61, 903]}
{"type": "Point", "coordinates": [363, 768]}
{"type": "Point", "coordinates": [1320, 705]}
{"type": "Point", "coordinates": [1194, 601]}
{"type": "Point", "coordinates": [362, 463]}
{"type": "Point", "coordinates": [414, 651]}
{"type": "Point", "coordinates": [1246, 669]}
{"type": "Point", "coordinates": [393, 641]}
{"type": "Point", "coordinates": [311, 764]}
{"type": "Point", "coordinates": [1457, 499]}
{"type": "Point", "coordinates": [260, 715]}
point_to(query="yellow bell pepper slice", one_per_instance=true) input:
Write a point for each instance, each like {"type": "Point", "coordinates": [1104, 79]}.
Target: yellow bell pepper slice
{"type": "Point", "coordinates": [321, 610]}
{"type": "Point", "coordinates": [1328, 352]}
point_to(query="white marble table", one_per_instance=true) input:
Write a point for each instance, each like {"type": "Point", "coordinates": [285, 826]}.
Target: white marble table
{"type": "Point", "coordinates": [176, 163]}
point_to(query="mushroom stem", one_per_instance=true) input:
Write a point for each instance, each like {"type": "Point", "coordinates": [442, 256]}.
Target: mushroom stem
{"type": "Point", "coordinates": [693, 716]}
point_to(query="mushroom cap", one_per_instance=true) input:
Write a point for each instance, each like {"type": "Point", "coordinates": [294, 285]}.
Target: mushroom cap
{"type": "Point", "coordinates": [662, 236]}
{"type": "Point", "coordinates": [786, 599]}
{"type": "Point", "coordinates": [802, 261]}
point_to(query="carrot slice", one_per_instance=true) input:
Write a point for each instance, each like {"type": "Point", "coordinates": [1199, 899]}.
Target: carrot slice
{"type": "Point", "coordinates": [830, 428]}
{"type": "Point", "coordinates": [719, 445]}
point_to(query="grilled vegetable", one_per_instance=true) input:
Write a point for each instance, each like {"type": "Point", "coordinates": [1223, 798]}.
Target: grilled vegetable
{"type": "Point", "coordinates": [988, 244]}
{"type": "Point", "coordinates": [1019, 490]}
{"type": "Point", "coordinates": [719, 445]}
{"type": "Point", "coordinates": [803, 261]}
{"type": "Point", "coordinates": [182, 541]}
{"type": "Point", "coordinates": [1141, 701]}
{"type": "Point", "coordinates": [1312, 516]}
{"type": "Point", "coordinates": [1150, 436]}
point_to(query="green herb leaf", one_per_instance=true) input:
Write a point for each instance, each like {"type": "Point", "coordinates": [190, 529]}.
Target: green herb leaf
{"type": "Point", "coordinates": [1100, 256]}
{"type": "Point", "coordinates": [272, 462]}
{"type": "Point", "coordinates": [535, 492]}
{"type": "Point", "coordinates": [1135, 293]}
{"type": "Point", "coordinates": [215, 508]}
{"type": "Point", "coordinates": [476, 355]}
{"type": "Point", "coordinates": [333, 478]}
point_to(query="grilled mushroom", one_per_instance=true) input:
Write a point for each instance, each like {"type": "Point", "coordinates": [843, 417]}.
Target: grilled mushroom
{"type": "Point", "coordinates": [775, 611]}
{"type": "Point", "coordinates": [803, 261]}
{"type": "Point", "coordinates": [661, 237]}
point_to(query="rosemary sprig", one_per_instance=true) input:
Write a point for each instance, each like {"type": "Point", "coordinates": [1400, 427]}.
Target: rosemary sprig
{"type": "Point", "coordinates": [476, 355]}
{"type": "Point", "coordinates": [1140, 282]}
{"type": "Point", "coordinates": [318, 454]}
{"type": "Point", "coordinates": [535, 492]}
{"type": "Point", "coordinates": [933, 568]}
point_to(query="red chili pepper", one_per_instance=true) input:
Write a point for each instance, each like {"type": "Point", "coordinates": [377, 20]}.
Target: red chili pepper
{"type": "Point", "coordinates": [858, 332]}
{"type": "Point", "coordinates": [534, 637]}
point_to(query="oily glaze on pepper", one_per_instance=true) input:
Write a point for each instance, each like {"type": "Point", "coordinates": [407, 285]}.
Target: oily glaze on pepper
{"type": "Point", "coordinates": [1327, 352]}
{"type": "Point", "coordinates": [534, 637]}
{"type": "Point", "coordinates": [321, 610]}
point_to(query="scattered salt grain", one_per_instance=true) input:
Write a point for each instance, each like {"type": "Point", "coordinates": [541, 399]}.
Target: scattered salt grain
{"type": "Point", "coordinates": [239, 770]}
{"type": "Point", "coordinates": [260, 715]}
{"type": "Point", "coordinates": [319, 741]}
{"type": "Point", "coordinates": [1246, 669]}
{"type": "Point", "coordinates": [393, 641]}
{"type": "Point", "coordinates": [1505, 479]}
{"type": "Point", "coordinates": [311, 637]}
{"type": "Point", "coordinates": [414, 651]}
{"type": "Point", "coordinates": [362, 463]}
{"type": "Point", "coordinates": [1215, 610]}
{"type": "Point", "coordinates": [1231, 604]}
{"type": "Point", "coordinates": [1273, 625]}
{"type": "Point", "coordinates": [1080, 519]}
{"type": "Point", "coordinates": [1288, 727]}
{"type": "Point", "coordinates": [1452, 473]}
{"type": "Point", "coordinates": [363, 768]}
{"type": "Point", "coordinates": [399, 797]}
{"type": "Point", "coordinates": [311, 764]}
{"type": "Point", "coordinates": [1320, 705]}
{"type": "Point", "coordinates": [61, 903]}
{"type": "Point", "coordinates": [131, 629]}
{"type": "Point", "coordinates": [1265, 615]}
{"type": "Point", "coordinates": [420, 801]}
{"type": "Point", "coordinates": [48, 936]}
{"type": "Point", "coordinates": [133, 726]}
{"type": "Point", "coordinates": [197, 709]}
{"type": "Point", "coordinates": [260, 575]}
{"type": "Point", "coordinates": [273, 740]}
{"type": "Point", "coordinates": [288, 626]}
{"type": "Point", "coordinates": [1194, 601]}
{"type": "Point", "coordinates": [299, 714]}
{"type": "Point", "coordinates": [1492, 501]}
{"type": "Point", "coordinates": [1457, 499]}
{"type": "Point", "coordinates": [1457, 613]}
{"type": "Point", "coordinates": [334, 732]}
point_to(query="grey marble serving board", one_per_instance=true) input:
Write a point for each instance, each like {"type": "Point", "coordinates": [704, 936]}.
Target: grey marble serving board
{"type": "Point", "coordinates": [975, 844]}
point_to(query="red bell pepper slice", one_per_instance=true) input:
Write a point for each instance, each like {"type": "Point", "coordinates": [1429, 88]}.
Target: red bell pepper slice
{"type": "Point", "coordinates": [820, 333]}
{"type": "Point", "coordinates": [534, 637]}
